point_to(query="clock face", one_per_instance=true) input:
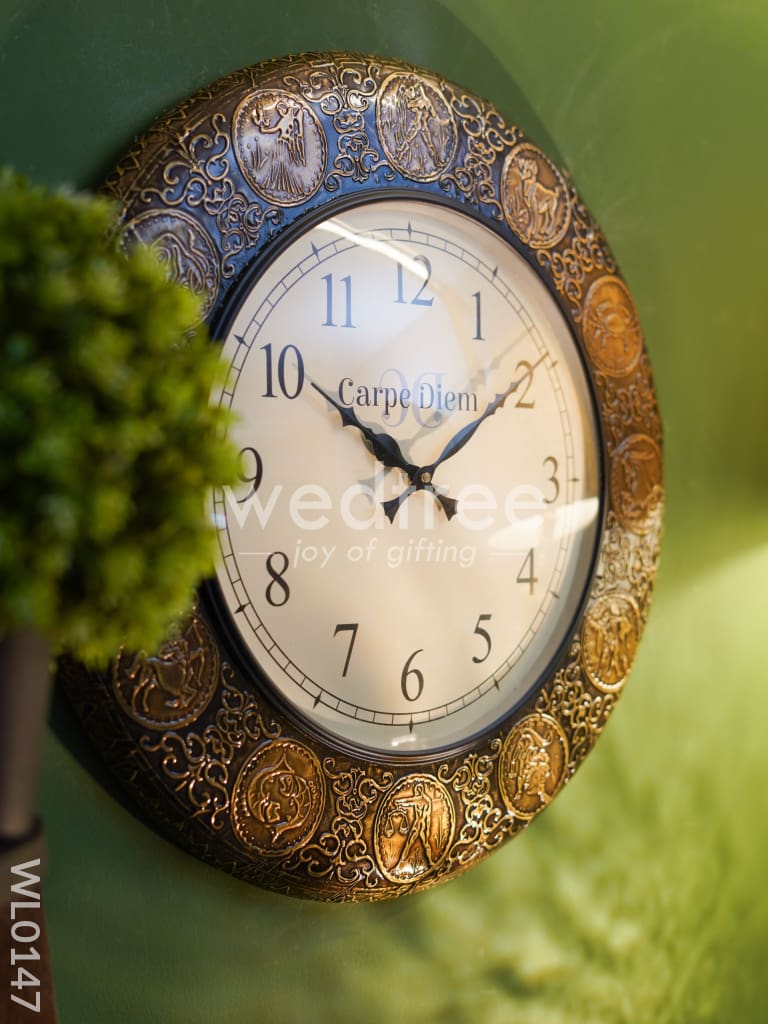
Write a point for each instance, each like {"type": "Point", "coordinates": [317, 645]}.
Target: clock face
{"type": "Point", "coordinates": [416, 522]}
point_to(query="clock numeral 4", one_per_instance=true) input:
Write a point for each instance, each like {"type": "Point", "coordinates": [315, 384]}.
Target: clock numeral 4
{"type": "Point", "coordinates": [526, 574]}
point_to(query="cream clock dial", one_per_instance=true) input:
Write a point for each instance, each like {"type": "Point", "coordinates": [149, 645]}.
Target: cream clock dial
{"type": "Point", "coordinates": [417, 518]}
{"type": "Point", "coordinates": [435, 568]}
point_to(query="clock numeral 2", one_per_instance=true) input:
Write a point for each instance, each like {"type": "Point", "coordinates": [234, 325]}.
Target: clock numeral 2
{"type": "Point", "coordinates": [329, 321]}
{"type": "Point", "coordinates": [278, 591]}
{"type": "Point", "coordinates": [347, 627]}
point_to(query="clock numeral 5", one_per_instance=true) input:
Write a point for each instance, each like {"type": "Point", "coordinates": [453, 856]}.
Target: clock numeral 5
{"type": "Point", "coordinates": [486, 637]}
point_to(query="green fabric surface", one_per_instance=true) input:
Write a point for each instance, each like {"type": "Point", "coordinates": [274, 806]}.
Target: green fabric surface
{"type": "Point", "coordinates": [640, 895]}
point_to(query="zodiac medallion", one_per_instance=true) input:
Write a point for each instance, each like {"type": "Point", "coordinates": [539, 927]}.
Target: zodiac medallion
{"type": "Point", "coordinates": [280, 146]}
{"type": "Point", "coordinates": [635, 482]}
{"type": "Point", "coordinates": [609, 640]}
{"type": "Point", "coordinates": [171, 688]}
{"type": "Point", "coordinates": [611, 327]}
{"type": "Point", "coordinates": [278, 798]}
{"type": "Point", "coordinates": [533, 764]}
{"type": "Point", "coordinates": [534, 197]}
{"type": "Point", "coordinates": [416, 126]}
{"type": "Point", "coordinates": [182, 246]}
{"type": "Point", "coordinates": [414, 828]}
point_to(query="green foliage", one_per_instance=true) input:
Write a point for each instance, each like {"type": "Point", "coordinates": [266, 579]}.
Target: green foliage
{"type": "Point", "coordinates": [107, 437]}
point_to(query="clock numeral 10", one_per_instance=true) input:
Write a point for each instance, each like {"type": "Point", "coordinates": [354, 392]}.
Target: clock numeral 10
{"type": "Point", "coordinates": [289, 388]}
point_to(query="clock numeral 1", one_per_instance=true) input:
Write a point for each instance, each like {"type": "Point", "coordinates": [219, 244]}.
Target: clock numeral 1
{"type": "Point", "coordinates": [479, 631]}
{"type": "Point", "coordinates": [412, 673]}
{"type": "Point", "coordinates": [347, 627]}
{"type": "Point", "coordinates": [417, 300]}
{"type": "Point", "coordinates": [530, 579]}
{"type": "Point", "coordinates": [347, 282]}
{"type": "Point", "coordinates": [478, 335]}
{"type": "Point", "coordinates": [288, 389]}
{"type": "Point", "coordinates": [278, 591]}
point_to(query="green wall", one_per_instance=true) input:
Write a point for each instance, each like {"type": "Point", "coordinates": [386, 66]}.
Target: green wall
{"type": "Point", "coordinates": [641, 895]}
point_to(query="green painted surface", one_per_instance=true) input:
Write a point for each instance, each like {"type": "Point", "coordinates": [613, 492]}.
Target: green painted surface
{"type": "Point", "coordinates": [641, 895]}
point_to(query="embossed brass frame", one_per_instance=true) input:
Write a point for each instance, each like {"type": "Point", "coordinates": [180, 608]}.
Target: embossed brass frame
{"type": "Point", "coordinates": [213, 763]}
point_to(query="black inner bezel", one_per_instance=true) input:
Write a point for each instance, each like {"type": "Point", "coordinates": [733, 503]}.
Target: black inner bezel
{"type": "Point", "coordinates": [221, 318]}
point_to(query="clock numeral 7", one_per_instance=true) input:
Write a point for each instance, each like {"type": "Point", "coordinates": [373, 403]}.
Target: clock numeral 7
{"type": "Point", "coordinates": [347, 627]}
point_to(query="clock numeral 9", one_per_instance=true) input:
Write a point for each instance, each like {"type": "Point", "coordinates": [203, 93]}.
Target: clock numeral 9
{"type": "Point", "coordinates": [258, 471]}
{"type": "Point", "coordinates": [278, 591]}
{"type": "Point", "coordinates": [412, 673]}
{"type": "Point", "coordinates": [289, 389]}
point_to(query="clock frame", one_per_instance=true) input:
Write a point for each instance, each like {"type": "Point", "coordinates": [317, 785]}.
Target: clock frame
{"type": "Point", "coordinates": [213, 759]}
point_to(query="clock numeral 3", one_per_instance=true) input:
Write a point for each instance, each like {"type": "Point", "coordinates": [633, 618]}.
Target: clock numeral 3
{"type": "Point", "coordinates": [552, 479]}
{"type": "Point", "coordinates": [417, 300]}
{"type": "Point", "coordinates": [278, 591]}
{"type": "Point", "coordinates": [412, 673]}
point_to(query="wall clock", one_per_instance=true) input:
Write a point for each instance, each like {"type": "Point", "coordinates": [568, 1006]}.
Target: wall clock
{"type": "Point", "coordinates": [437, 564]}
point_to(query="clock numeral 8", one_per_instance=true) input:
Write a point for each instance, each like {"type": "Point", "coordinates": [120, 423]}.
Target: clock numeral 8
{"type": "Point", "coordinates": [278, 591]}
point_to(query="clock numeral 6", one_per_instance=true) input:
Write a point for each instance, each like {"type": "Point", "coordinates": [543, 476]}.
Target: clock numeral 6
{"type": "Point", "coordinates": [413, 673]}
{"type": "Point", "coordinates": [278, 591]}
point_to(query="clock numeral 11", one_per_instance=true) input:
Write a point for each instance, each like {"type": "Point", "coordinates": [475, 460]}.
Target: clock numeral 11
{"type": "Point", "coordinates": [329, 321]}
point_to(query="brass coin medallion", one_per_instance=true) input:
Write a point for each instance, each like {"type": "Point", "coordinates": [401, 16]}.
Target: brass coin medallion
{"type": "Point", "coordinates": [438, 562]}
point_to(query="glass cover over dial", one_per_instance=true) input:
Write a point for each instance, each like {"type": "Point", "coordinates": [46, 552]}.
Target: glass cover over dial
{"type": "Point", "coordinates": [416, 520]}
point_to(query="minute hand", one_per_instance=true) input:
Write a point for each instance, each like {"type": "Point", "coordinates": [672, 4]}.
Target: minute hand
{"type": "Point", "coordinates": [459, 439]}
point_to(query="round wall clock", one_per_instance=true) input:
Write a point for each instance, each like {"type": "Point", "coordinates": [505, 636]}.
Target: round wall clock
{"type": "Point", "coordinates": [436, 567]}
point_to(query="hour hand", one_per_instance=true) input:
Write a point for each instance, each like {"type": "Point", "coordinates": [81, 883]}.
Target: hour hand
{"type": "Point", "coordinates": [384, 448]}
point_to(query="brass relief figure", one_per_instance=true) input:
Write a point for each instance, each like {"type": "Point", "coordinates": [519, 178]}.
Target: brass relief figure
{"type": "Point", "coordinates": [416, 126]}
{"type": "Point", "coordinates": [414, 828]}
{"type": "Point", "coordinates": [533, 764]}
{"type": "Point", "coordinates": [182, 246]}
{"type": "Point", "coordinates": [611, 327]}
{"type": "Point", "coordinates": [172, 687]}
{"type": "Point", "coordinates": [280, 147]}
{"type": "Point", "coordinates": [635, 480]}
{"type": "Point", "coordinates": [534, 196]}
{"type": "Point", "coordinates": [611, 633]}
{"type": "Point", "coordinates": [278, 798]}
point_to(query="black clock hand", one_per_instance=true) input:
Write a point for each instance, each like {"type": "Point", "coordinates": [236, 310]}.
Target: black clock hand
{"type": "Point", "coordinates": [422, 477]}
{"type": "Point", "coordinates": [387, 451]}
{"type": "Point", "coordinates": [384, 448]}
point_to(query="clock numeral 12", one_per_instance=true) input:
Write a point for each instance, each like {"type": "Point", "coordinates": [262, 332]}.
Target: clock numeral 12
{"type": "Point", "coordinates": [347, 282]}
{"type": "Point", "coordinates": [417, 300]}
